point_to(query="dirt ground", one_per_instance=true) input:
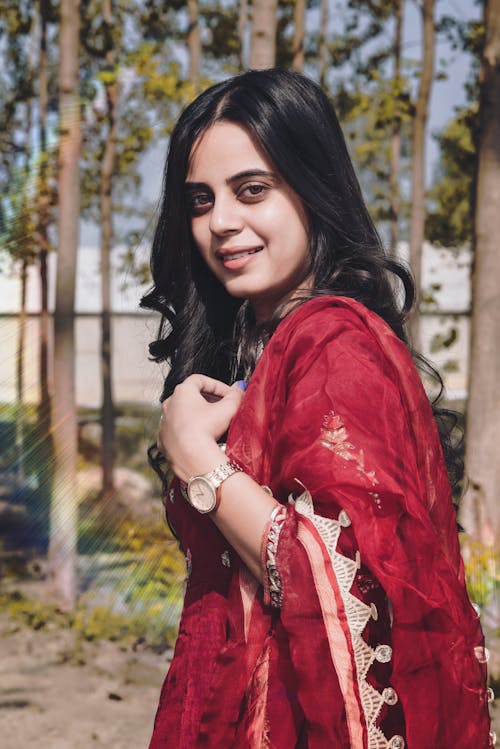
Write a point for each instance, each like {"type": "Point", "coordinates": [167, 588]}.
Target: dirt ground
{"type": "Point", "coordinates": [58, 694]}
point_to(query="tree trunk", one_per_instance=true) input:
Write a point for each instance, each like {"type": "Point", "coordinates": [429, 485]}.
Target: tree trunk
{"type": "Point", "coordinates": [64, 507]}
{"type": "Point", "coordinates": [43, 231]}
{"type": "Point", "coordinates": [194, 42]}
{"type": "Point", "coordinates": [396, 132]}
{"type": "Point", "coordinates": [21, 335]}
{"type": "Point", "coordinates": [106, 210]}
{"type": "Point", "coordinates": [263, 36]}
{"type": "Point", "coordinates": [323, 43]}
{"type": "Point", "coordinates": [299, 18]}
{"type": "Point", "coordinates": [242, 25]}
{"type": "Point", "coordinates": [480, 507]}
{"type": "Point", "coordinates": [417, 215]}
{"type": "Point", "coordinates": [21, 407]}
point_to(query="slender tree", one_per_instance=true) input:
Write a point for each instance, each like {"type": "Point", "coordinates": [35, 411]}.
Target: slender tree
{"type": "Point", "coordinates": [263, 35]}
{"type": "Point", "coordinates": [44, 202]}
{"type": "Point", "coordinates": [417, 215]}
{"type": "Point", "coordinates": [106, 221]}
{"type": "Point", "coordinates": [480, 508]}
{"type": "Point", "coordinates": [396, 131]}
{"type": "Point", "coordinates": [299, 18]}
{"type": "Point", "coordinates": [26, 251]}
{"type": "Point", "coordinates": [194, 42]}
{"type": "Point", "coordinates": [323, 43]}
{"type": "Point", "coordinates": [21, 343]}
{"type": "Point", "coordinates": [63, 511]}
{"type": "Point", "coordinates": [242, 27]}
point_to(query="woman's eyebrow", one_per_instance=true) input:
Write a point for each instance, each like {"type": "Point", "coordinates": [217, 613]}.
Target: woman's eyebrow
{"type": "Point", "coordinates": [234, 178]}
{"type": "Point", "coordinates": [251, 173]}
{"type": "Point", "coordinates": [196, 186]}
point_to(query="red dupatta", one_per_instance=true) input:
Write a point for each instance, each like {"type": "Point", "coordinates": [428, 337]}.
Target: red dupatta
{"type": "Point", "coordinates": [365, 637]}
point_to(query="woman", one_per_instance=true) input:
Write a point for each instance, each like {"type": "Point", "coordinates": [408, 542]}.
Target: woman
{"type": "Point", "coordinates": [326, 604]}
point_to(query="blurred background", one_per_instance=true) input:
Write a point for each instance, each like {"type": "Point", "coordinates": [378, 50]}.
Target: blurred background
{"type": "Point", "coordinates": [91, 581]}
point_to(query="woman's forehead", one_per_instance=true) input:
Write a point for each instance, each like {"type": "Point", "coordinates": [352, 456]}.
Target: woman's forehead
{"type": "Point", "coordinates": [225, 147]}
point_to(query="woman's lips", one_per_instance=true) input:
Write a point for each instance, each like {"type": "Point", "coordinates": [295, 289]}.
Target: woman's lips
{"type": "Point", "coordinates": [238, 259]}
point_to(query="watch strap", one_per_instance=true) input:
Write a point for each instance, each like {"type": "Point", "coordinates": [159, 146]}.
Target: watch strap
{"type": "Point", "coordinates": [222, 472]}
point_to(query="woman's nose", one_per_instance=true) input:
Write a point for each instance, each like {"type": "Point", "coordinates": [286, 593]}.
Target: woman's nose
{"type": "Point", "coordinates": [225, 218]}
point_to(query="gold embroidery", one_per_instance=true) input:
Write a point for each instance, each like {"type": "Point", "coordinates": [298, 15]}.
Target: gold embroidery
{"type": "Point", "coordinates": [333, 435]}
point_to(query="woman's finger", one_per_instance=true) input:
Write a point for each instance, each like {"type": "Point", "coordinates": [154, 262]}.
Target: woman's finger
{"type": "Point", "coordinates": [226, 407]}
{"type": "Point", "coordinates": [207, 385]}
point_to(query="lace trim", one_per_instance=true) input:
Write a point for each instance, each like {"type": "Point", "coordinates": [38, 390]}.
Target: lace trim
{"type": "Point", "coordinates": [357, 613]}
{"type": "Point", "coordinates": [273, 593]}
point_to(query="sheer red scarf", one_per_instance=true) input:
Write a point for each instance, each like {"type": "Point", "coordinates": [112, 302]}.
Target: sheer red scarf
{"type": "Point", "coordinates": [375, 643]}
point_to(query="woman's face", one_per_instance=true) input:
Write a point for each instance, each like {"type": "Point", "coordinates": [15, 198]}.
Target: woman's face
{"type": "Point", "coordinates": [248, 224]}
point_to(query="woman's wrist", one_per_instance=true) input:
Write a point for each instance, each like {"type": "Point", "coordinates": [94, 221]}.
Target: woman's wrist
{"type": "Point", "coordinates": [202, 458]}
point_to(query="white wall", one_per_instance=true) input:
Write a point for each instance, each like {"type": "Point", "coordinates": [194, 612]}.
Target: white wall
{"type": "Point", "coordinates": [445, 275]}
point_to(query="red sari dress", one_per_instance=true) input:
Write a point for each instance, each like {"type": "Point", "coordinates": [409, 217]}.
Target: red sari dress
{"type": "Point", "coordinates": [363, 636]}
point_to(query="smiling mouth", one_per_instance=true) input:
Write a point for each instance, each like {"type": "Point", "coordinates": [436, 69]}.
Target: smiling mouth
{"type": "Point", "coordinates": [237, 255]}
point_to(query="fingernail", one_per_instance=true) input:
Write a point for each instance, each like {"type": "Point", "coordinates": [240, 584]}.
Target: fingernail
{"type": "Point", "coordinates": [241, 384]}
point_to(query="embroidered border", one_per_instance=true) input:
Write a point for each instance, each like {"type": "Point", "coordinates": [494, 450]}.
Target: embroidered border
{"type": "Point", "coordinates": [357, 614]}
{"type": "Point", "coordinates": [273, 594]}
{"type": "Point", "coordinates": [338, 637]}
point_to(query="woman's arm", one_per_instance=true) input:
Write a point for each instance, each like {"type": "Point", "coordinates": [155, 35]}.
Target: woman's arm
{"type": "Point", "coordinates": [193, 418]}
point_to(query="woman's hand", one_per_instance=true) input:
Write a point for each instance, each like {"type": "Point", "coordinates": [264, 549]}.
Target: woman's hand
{"type": "Point", "coordinates": [196, 415]}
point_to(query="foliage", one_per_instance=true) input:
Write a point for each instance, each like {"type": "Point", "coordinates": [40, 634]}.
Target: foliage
{"type": "Point", "coordinates": [450, 219]}
{"type": "Point", "coordinates": [151, 89]}
{"type": "Point", "coordinates": [146, 598]}
{"type": "Point", "coordinates": [32, 613]}
{"type": "Point", "coordinates": [451, 198]}
{"type": "Point", "coordinates": [444, 339]}
{"type": "Point", "coordinates": [135, 578]}
{"type": "Point", "coordinates": [26, 169]}
{"type": "Point", "coordinates": [17, 77]}
{"type": "Point", "coordinates": [137, 594]}
{"type": "Point", "coordinates": [155, 589]}
{"type": "Point", "coordinates": [149, 67]}
{"type": "Point", "coordinates": [482, 570]}
{"type": "Point", "coordinates": [146, 570]}
{"type": "Point", "coordinates": [102, 623]}
{"type": "Point", "coordinates": [467, 36]}
{"type": "Point", "coordinates": [372, 101]}
{"type": "Point", "coordinates": [369, 115]}
{"type": "Point", "coordinates": [220, 41]}
{"type": "Point", "coordinates": [8, 451]}
{"type": "Point", "coordinates": [92, 623]}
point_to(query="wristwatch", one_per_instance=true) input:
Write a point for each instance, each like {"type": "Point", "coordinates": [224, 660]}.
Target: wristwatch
{"type": "Point", "coordinates": [203, 491]}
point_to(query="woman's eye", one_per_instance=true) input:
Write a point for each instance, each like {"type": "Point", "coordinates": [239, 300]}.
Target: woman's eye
{"type": "Point", "coordinates": [199, 201]}
{"type": "Point", "coordinates": [253, 191]}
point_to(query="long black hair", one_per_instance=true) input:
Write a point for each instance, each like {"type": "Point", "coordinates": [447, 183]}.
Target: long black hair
{"type": "Point", "coordinates": [202, 326]}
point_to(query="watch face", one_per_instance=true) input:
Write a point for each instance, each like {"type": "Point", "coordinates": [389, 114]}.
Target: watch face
{"type": "Point", "coordinates": [201, 494]}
